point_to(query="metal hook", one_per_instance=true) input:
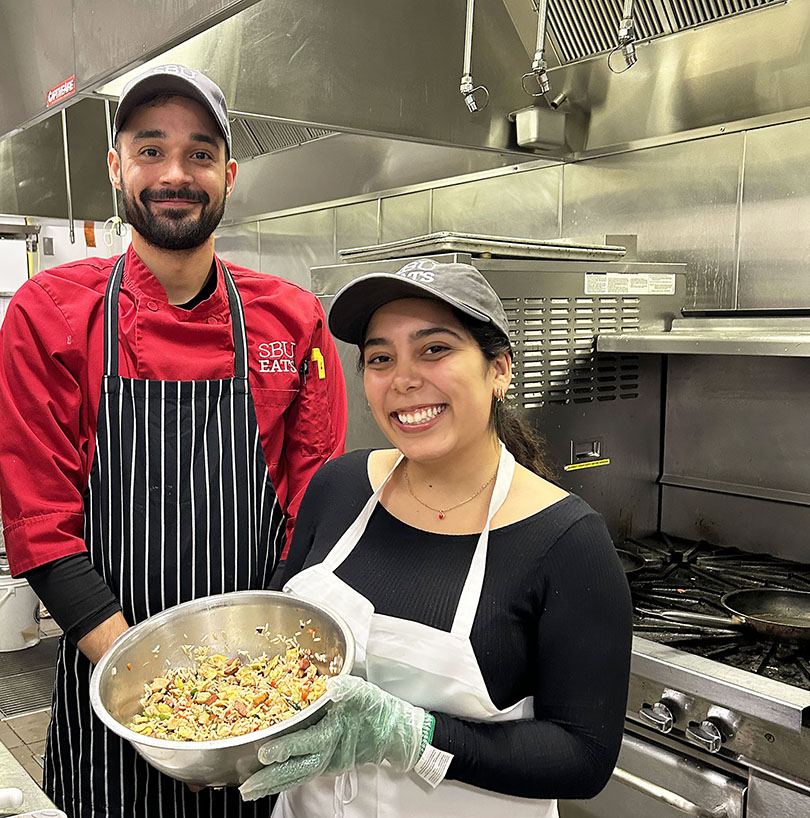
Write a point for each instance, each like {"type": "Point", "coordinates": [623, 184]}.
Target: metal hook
{"type": "Point", "coordinates": [468, 91]}
{"type": "Point", "coordinates": [542, 82]}
{"type": "Point", "coordinates": [629, 60]}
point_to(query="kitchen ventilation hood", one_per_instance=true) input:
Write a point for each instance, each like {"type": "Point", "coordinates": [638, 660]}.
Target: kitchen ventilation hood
{"type": "Point", "coordinates": [751, 333]}
{"type": "Point", "coordinates": [583, 28]}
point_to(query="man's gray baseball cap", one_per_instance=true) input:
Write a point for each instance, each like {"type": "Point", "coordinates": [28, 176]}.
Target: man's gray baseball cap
{"type": "Point", "coordinates": [174, 79]}
{"type": "Point", "coordinates": [459, 285]}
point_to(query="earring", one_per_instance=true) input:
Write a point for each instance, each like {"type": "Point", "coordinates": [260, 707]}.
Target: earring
{"type": "Point", "coordinates": [500, 394]}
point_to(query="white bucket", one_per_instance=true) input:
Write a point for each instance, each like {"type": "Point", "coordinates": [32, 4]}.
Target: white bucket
{"type": "Point", "coordinates": [19, 615]}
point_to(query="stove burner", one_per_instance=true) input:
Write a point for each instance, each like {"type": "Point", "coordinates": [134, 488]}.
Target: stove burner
{"type": "Point", "coordinates": [682, 575]}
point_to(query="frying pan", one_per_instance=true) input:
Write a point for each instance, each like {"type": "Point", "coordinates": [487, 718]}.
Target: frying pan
{"type": "Point", "coordinates": [631, 563]}
{"type": "Point", "coordinates": [771, 612]}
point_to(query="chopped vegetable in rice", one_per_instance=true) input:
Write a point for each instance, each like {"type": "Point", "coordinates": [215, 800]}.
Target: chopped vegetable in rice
{"type": "Point", "coordinates": [222, 697]}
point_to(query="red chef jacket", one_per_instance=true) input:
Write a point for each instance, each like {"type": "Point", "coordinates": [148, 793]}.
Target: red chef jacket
{"type": "Point", "coordinates": [51, 361]}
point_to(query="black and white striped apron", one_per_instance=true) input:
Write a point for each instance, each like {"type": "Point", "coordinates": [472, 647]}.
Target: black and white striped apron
{"type": "Point", "coordinates": [179, 505]}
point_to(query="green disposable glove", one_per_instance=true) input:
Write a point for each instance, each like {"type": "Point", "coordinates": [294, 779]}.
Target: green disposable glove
{"type": "Point", "coordinates": [363, 724]}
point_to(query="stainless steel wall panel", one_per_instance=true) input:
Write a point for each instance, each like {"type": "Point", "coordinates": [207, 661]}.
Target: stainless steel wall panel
{"type": "Point", "coordinates": [751, 524]}
{"type": "Point", "coordinates": [290, 245]}
{"type": "Point", "coordinates": [774, 239]}
{"type": "Point", "coordinates": [239, 244]}
{"type": "Point", "coordinates": [356, 225]}
{"type": "Point", "coordinates": [735, 445]}
{"type": "Point", "coordinates": [87, 138]}
{"type": "Point", "coordinates": [8, 179]}
{"type": "Point", "coordinates": [32, 166]}
{"type": "Point", "coordinates": [36, 54]}
{"type": "Point", "coordinates": [405, 216]}
{"type": "Point", "coordinates": [739, 420]}
{"type": "Point", "coordinates": [681, 201]}
{"type": "Point", "coordinates": [344, 166]}
{"type": "Point", "coordinates": [33, 171]}
{"type": "Point", "coordinates": [524, 205]}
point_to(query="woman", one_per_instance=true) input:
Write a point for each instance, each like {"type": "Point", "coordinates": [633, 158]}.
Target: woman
{"type": "Point", "coordinates": [490, 610]}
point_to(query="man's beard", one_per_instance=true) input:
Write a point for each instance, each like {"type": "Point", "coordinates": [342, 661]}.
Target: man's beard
{"type": "Point", "coordinates": [172, 230]}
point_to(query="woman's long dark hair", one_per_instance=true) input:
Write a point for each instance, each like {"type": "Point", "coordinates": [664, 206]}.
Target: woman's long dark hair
{"type": "Point", "coordinates": [521, 439]}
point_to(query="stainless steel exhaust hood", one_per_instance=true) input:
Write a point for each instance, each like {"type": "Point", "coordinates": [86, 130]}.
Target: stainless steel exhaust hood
{"type": "Point", "coordinates": [387, 70]}
{"type": "Point", "coordinates": [296, 72]}
{"type": "Point", "coordinates": [583, 28]}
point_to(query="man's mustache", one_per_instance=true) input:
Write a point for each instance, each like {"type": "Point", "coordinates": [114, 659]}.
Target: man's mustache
{"type": "Point", "coordinates": [166, 194]}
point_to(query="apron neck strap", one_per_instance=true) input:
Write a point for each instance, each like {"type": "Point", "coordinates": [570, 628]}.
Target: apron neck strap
{"type": "Point", "coordinates": [471, 593]}
{"type": "Point", "coordinates": [111, 320]}
{"type": "Point", "coordinates": [344, 546]}
{"type": "Point", "coordinates": [240, 368]}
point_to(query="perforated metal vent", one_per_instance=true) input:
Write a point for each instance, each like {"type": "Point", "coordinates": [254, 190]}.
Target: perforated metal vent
{"type": "Point", "coordinates": [253, 137]}
{"type": "Point", "coordinates": [582, 28]}
{"type": "Point", "coordinates": [688, 13]}
{"type": "Point", "coordinates": [556, 362]}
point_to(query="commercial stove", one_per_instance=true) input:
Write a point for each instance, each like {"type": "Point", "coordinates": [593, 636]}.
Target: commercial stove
{"type": "Point", "coordinates": [718, 717]}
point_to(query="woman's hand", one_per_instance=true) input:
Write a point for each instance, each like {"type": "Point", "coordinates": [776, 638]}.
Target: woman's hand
{"type": "Point", "coordinates": [363, 724]}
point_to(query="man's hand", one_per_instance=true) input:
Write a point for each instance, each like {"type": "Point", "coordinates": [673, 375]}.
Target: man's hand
{"type": "Point", "coordinates": [96, 643]}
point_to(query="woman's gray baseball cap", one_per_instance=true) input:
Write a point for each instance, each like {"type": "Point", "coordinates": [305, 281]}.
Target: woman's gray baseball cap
{"type": "Point", "coordinates": [174, 79]}
{"type": "Point", "coordinates": [459, 285]}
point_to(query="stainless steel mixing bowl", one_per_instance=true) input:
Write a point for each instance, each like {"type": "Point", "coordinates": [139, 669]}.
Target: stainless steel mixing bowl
{"type": "Point", "coordinates": [228, 623]}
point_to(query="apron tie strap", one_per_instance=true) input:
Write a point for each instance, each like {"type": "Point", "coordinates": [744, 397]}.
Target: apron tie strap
{"type": "Point", "coordinates": [346, 789]}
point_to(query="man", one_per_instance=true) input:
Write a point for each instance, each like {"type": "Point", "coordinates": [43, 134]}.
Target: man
{"type": "Point", "coordinates": [162, 416]}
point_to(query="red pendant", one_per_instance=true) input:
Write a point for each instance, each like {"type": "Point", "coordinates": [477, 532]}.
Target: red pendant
{"type": "Point", "coordinates": [441, 515]}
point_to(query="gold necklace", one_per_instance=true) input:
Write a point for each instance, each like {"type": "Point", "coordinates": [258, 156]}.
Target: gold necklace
{"type": "Point", "coordinates": [443, 511]}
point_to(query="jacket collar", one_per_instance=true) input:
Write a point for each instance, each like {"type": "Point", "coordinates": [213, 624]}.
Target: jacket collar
{"type": "Point", "coordinates": [140, 280]}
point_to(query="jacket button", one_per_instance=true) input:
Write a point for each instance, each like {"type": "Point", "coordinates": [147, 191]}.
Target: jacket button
{"type": "Point", "coordinates": [152, 305]}
{"type": "Point", "coordinates": [212, 319]}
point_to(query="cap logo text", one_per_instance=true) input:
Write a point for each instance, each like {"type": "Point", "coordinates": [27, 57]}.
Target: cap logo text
{"type": "Point", "coordinates": [175, 68]}
{"type": "Point", "coordinates": [420, 271]}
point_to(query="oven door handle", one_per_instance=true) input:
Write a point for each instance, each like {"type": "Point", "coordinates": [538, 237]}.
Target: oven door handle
{"type": "Point", "coordinates": [668, 797]}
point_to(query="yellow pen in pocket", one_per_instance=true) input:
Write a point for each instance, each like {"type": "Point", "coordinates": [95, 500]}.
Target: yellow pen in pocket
{"type": "Point", "coordinates": [317, 356]}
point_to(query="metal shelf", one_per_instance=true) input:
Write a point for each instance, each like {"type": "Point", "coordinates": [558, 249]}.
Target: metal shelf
{"type": "Point", "coordinates": [787, 336]}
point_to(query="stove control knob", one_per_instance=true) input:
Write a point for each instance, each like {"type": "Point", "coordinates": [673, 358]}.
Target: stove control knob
{"type": "Point", "coordinates": [706, 735]}
{"type": "Point", "coordinates": [657, 715]}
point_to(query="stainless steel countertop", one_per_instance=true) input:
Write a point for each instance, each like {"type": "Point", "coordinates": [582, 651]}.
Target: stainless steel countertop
{"type": "Point", "coordinates": [12, 774]}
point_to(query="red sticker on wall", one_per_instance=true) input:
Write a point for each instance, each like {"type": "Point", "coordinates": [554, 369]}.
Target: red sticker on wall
{"type": "Point", "coordinates": [59, 92]}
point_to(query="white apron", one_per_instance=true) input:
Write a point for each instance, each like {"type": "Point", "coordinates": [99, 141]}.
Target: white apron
{"type": "Point", "coordinates": [425, 666]}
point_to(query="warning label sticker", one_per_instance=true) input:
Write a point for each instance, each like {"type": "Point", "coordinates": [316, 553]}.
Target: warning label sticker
{"type": "Point", "coordinates": [629, 284]}
{"type": "Point", "coordinates": [590, 464]}
{"type": "Point", "coordinates": [65, 88]}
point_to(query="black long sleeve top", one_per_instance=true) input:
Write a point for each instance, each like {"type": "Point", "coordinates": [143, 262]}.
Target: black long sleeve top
{"type": "Point", "coordinates": [554, 622]}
